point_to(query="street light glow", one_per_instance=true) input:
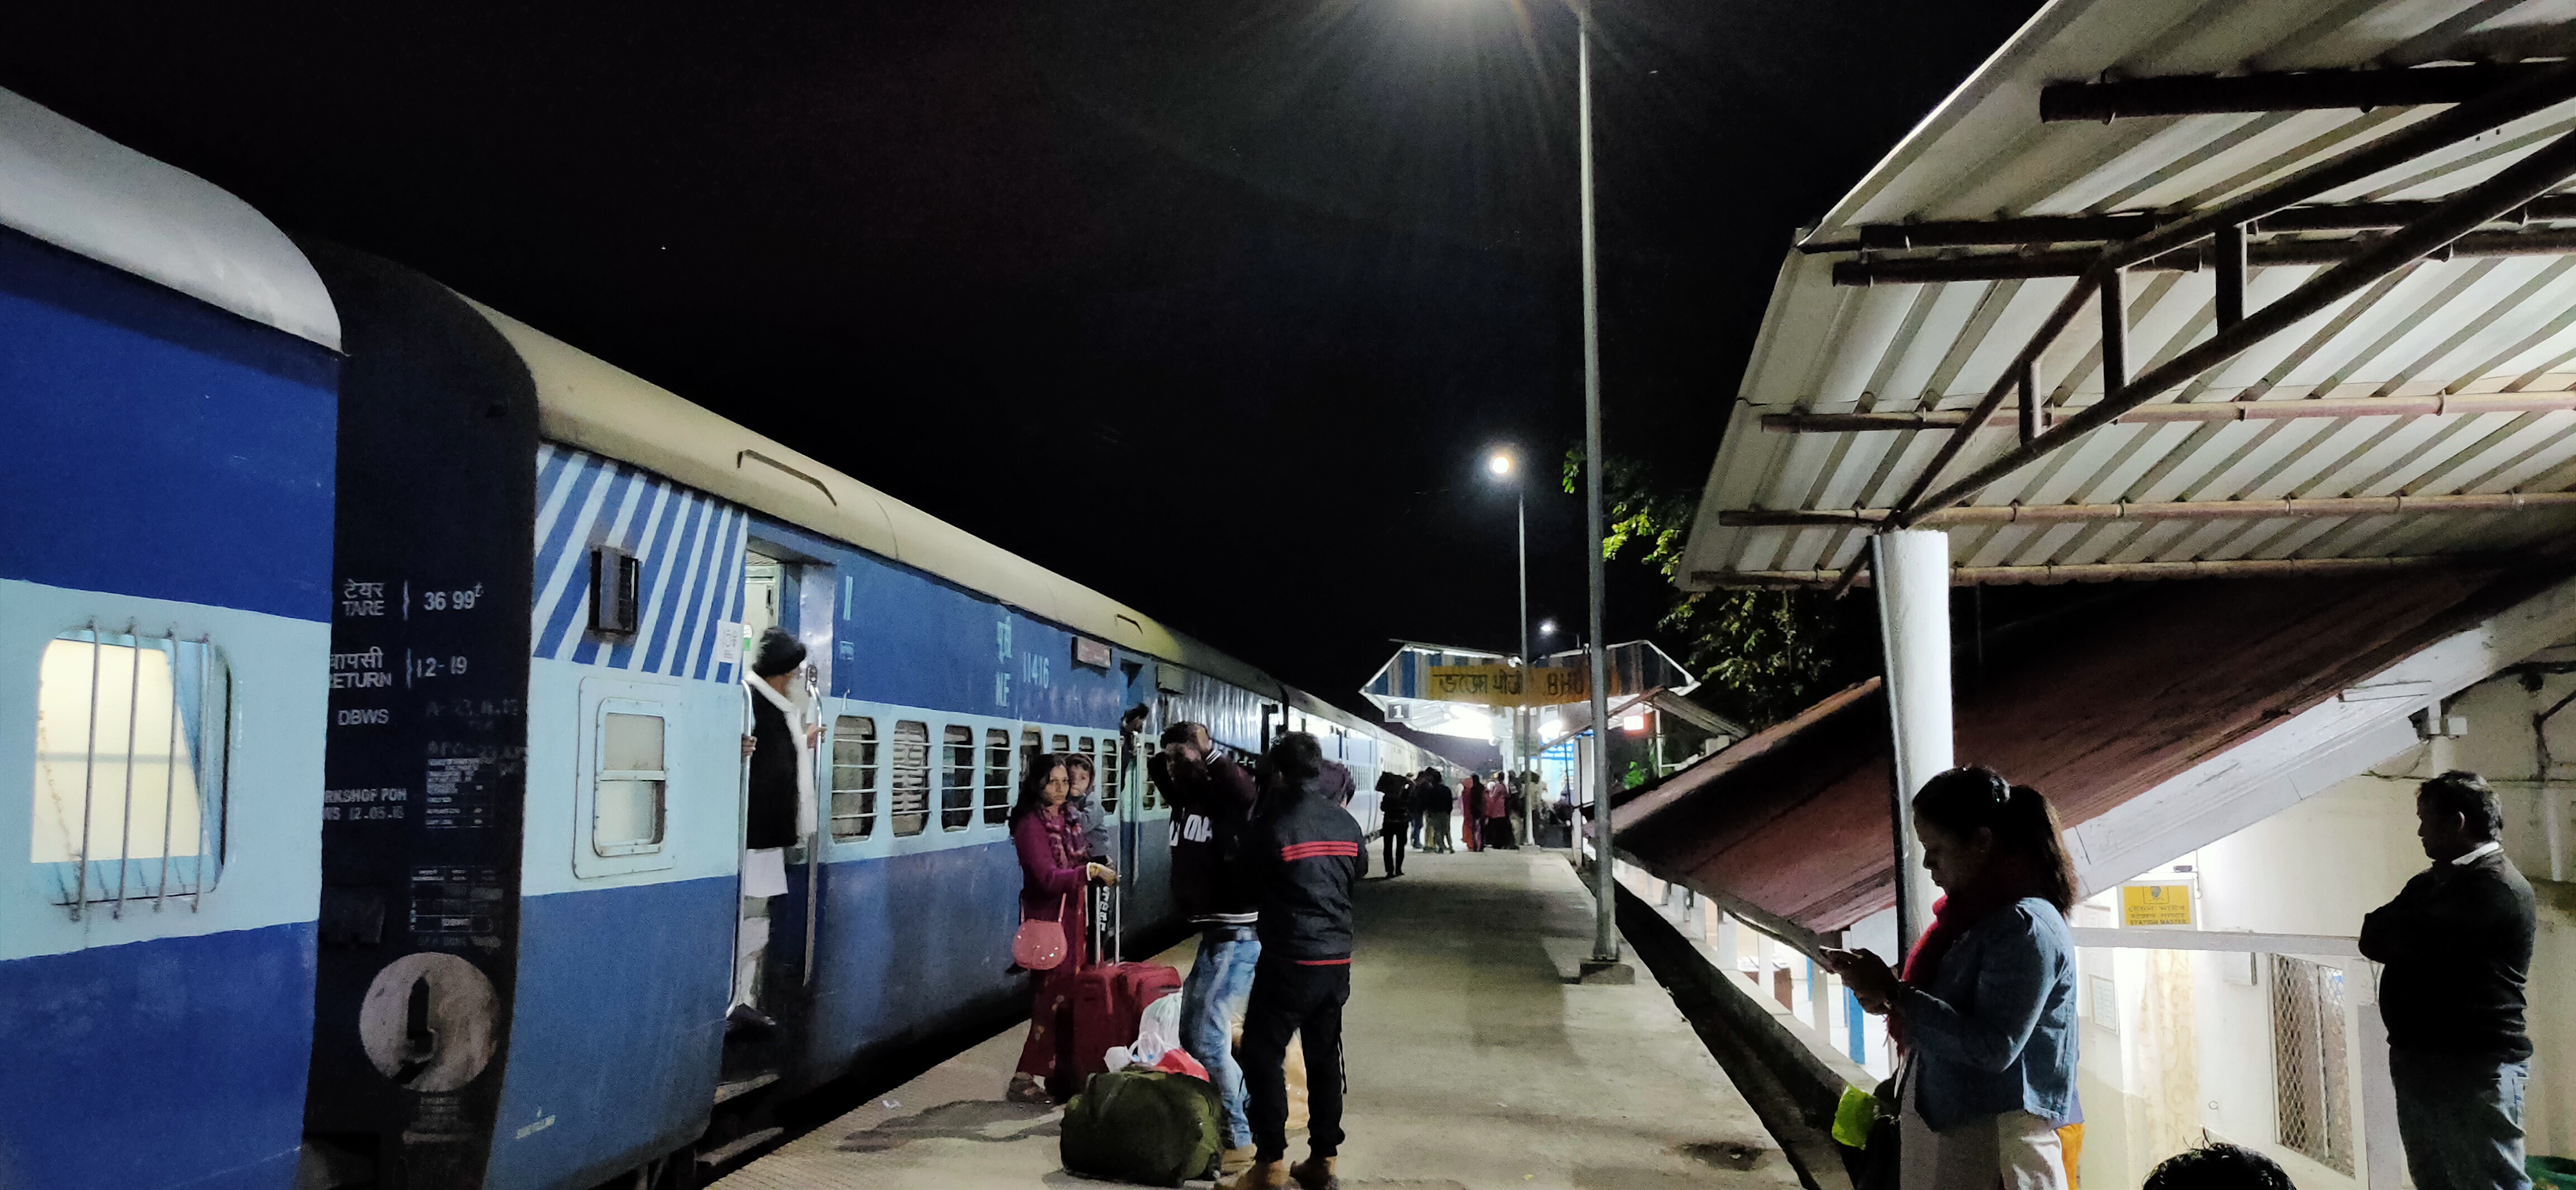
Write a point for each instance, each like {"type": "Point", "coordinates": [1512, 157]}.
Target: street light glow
{"type": "Point", "coordinates": [1499, 462]}
{"type": "Point", "coordinates": [1547, 628]}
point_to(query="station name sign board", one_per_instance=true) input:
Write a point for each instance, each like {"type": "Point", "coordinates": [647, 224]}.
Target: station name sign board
{"type": "Point", "coordinates": [1507, 685]}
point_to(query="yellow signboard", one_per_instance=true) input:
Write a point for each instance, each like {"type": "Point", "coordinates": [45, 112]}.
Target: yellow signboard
{"type": "Point", "coordinates": [1499, 685]}
{"type": "Point", "coordinates": [2155, 905]}
{"type": "Point", "coordinates": [1505, 685]}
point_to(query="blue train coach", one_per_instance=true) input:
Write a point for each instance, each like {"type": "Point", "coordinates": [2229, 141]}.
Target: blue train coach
{"type": "Point", "coordinates": [370, 701]}
{"type": "Point", "coordinates": [167, 366]}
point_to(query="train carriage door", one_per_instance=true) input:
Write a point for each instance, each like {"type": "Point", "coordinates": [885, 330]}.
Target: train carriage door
{"type": "Point", "coordinates": [781, 870]}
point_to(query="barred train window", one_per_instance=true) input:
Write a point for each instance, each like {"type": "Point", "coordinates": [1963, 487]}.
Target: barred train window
{"type": "Point", "coordinates": [1152, 797]}
{"type": "Point", "coordinates": [997, 776]}
{"type": "Point", "coordinates": [854, 777]}
{"type": "Point", "coordinates": [627, 803]}
{"type": "Point", "coordinates": [1061, 747]}
{"type": "Point", "coordinates": [1109, 775]}
{"type": "Point", "coordinates": [1029, 749]}
{"type": "Point", "coordinates": [909, 798]}
{"type": "Point", "coordinates": [1087, 751]}
{"type": "Point", "coordinates": [2310, 1091]}
{"type": "Point", "coordinates": [957, 781]}
{"type": "Point", "coordinates": [131, 734]}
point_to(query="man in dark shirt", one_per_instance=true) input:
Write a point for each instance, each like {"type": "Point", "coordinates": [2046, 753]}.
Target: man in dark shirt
{"type": "Point", "coordinates": [2457, 945]}
{"type": "Point", "coordinates": [1212, 798]}
{"type": "Point", "coordinates": [1299, 861]}
{"type": "Point", "coordinates": [1394, 810]}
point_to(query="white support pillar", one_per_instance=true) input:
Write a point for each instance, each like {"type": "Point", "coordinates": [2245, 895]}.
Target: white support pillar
{"type": "Point", "coordinates": [1911, 573]}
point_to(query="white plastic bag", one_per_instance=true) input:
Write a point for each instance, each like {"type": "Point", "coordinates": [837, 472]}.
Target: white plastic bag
{"type": "Point", "coordinates": [1158, 1029]}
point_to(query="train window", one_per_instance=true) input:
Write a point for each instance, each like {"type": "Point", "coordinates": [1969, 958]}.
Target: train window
{"type": "Point", "coordinates": [131, 733]}
{"type": "Point", "coordinates": [1109, 775]}
{"type": "Point", "coordinates": [957, 778]}
{"type": "Point", "coordinates": [997, 776]}
{"type": "Point", "coordinates": [854, 777]}
{"type": "Point", "coordinates": [1061, 747]}
{"type": "Point", "coordinates": [908, 799]}
{"type": "Point", "coordinates": [627, 796]}
{"type": "Point", "coordinates": [1151, 796]}
{"type": "Point", "coordinates": [1029, 749]}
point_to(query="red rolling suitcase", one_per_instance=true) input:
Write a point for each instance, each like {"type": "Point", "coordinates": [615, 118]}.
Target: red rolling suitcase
{"type": "Point", "coordinates": [1109, 1006]}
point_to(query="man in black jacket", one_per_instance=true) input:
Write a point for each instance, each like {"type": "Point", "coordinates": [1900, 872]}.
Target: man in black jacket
{"type": "Point", "coordinates": [2457, 944]}
{"type": "Point", "coordinates": [1300, 859]}
{"type": "Point", "coordinates": [1394, 810]}
{"type": "Point", "coordinates": [1212, 799]}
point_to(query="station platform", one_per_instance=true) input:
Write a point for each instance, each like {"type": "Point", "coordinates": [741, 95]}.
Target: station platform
{"type": "Point", "coordinates": [1475, 1062]}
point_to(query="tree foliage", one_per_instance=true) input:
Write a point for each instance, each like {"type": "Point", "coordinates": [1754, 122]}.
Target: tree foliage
{"type": "Point", "coordinates": [1762, 655]}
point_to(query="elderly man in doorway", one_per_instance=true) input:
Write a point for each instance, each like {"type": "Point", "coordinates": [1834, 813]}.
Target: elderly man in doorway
{"type": "Point", "coordinates": [2457, 944]}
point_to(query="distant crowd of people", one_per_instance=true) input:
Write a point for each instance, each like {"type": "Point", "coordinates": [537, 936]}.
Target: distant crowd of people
{"type": "Point", "coordinates": [1487, 808]}
{"type": "Point", "coordinates": [1983, 1012]}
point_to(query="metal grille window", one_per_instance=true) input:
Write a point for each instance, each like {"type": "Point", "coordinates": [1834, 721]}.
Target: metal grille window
{"type": "Point", "coordinates": [957, 778]}
{"type": "Point", "coordinates": [2310, 1090]}
{"type": "Point", "coordinates": [627, 797]}
{"type": "Point", "coordinates": [908, 798]}
{"type": "Point", "coordinates": [1152, 797]}
{"type": "Point", "coordinates": [1061, 746]}
{"type": "Point", "coordinates": [1109, 776]}
{"type": "Point", "coordinates": [1030, 749]}
{"type": "Point", "coordinates": [854, 777]}
{"type": "Point", "coordinates": [131, 735]}
{"type": "Point", "coordinates": [1088, 751]}
{"type": "Point", "coordinates": [997, 776]}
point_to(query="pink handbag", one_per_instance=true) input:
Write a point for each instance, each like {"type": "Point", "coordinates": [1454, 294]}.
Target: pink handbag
{"type": "Point", "coordinates": [1039, 946]}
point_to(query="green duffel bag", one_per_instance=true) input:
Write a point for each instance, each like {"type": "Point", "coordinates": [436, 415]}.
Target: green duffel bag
{"type": "Point", "coordinates": [1148, 1126]}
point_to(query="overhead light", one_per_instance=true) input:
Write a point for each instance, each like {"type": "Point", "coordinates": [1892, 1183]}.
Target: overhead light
{"type": "Point", "coordinates": [1499, 462]}
{"type": "Point", "coordinates": [1635, 722]}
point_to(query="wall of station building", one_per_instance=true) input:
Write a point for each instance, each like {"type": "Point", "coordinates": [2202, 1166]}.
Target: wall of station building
{"type": "Point", "coordinates": [2186, 1044]}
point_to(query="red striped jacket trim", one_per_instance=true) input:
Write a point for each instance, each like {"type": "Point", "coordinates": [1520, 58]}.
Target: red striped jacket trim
{"type": "Point", "coordinates": [1324, 847]}
{"type": "Point", "coordinates": [1323, 962]}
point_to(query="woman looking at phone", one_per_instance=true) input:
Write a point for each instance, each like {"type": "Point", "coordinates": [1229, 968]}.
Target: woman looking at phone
{"type": "Point", "coordinates": [1984, 1014]}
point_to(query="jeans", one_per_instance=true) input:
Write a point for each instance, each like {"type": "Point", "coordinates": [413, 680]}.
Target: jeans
{"type": "Point", "coordinates": [1394, 845]}
{"type": "Point", "coordinates": [1307, 1001]}
{"type": "Point", "coordinates": [2460, 1119]}
{"type": "Point", "coordinates": [1219, 981]}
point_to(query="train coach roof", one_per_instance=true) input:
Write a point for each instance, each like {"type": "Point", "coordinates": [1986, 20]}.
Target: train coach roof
{"type": "Point", "coordinates": [81, 192]}
{"type": "Point", "coordinates": [586, 402]}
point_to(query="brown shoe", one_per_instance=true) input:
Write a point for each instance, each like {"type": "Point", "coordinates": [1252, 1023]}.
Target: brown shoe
{"type": "Point", "coordinates": [1262, 1175]}
{"type": "Point", "coordinates": [1315, 1173]}
{"type": "Point", "coordinates": [1234, 1161]}
{"type": "Point", "coordinates": [1025, 1088]}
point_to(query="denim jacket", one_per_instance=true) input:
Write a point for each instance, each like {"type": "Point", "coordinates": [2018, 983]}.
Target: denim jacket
{"type": "Point", "coordinates": [1996, 1030]}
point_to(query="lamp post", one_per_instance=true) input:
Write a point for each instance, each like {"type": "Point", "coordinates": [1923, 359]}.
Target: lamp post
{"type": "Point", "coordinates": [1503, 465]}
{"type": "Point", "coordinates": [1605, 924]}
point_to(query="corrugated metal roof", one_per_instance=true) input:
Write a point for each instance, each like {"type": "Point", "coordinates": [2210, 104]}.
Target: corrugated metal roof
{"type": "Point", "coordinates": [2491, 325]}
{"type": "Point", "coordinates": [1793, 822]}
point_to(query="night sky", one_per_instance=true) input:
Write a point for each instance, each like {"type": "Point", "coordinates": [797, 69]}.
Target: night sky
{"type": "Point", "coordinates": [1211, 306]}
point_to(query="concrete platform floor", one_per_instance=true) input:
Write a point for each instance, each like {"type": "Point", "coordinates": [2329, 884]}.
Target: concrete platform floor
{"type": "Point", "coordinates": [1474, 1063]}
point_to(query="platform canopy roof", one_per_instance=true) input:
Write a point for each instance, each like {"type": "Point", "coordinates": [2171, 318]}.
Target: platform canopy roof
{"type": "Point", "coordinates": [2344, 331]}
{"type": "Point", "coordinates": [2214, 706]}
